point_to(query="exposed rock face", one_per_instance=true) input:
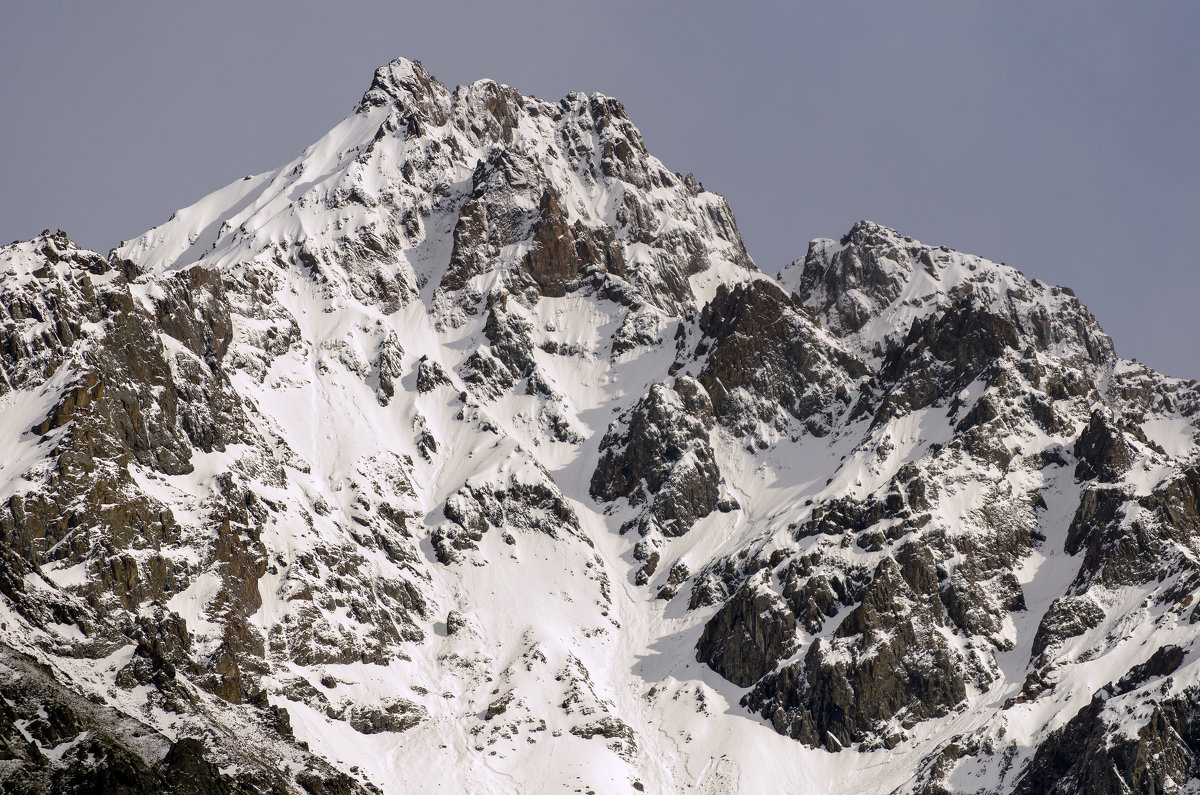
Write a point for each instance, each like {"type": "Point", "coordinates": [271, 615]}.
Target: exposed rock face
{"type": "Point", "coordinates": [1129, 540]}
{"type": "Point", "coordinates": [1102, 451]}
{"type": "Point", "coordinates": [662, 457]}
{"type": "Point", "coordinates": [768, 364]}
{"type": "Point", "coordinates": [746, 637]}
{"type": "Point", "coordinates": [1098, 751]}
{"type": "Point", "coordinates": [897, 599]}
{"type": "Point", "coordinates": [346, 479]}
{"type": "Point", "coordinates": [886, 661]}
{"type": "Point", "coordinates": [562, 252]}
{"type": "Point", "coordinates": [870, 288]}
{"type": "Point", "coordinates": [536, 506]}
{"type": "Point", "coordinates": [55, 741]}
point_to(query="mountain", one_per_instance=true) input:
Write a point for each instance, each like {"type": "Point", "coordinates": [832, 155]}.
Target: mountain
{"type": "Point", "coordinates": [470, 451]}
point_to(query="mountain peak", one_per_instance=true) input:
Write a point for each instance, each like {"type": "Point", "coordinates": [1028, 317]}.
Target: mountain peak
{"type": "Point", "coordinates": [514, 186]}
{"type": "Point", "coordinates": [437, 458]}
{"type": "Point", "coordinates": [404, 83]}
{"type": "Point", "coordinates": [866, 232]}
{"type": "Point", "coordinates": [874, 283]}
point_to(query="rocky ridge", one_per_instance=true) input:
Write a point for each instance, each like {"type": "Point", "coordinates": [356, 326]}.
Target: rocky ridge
{"type": "Point", "coordinates": [473, 436]}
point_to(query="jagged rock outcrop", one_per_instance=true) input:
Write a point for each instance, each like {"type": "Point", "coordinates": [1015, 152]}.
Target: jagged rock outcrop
{"type": "Point", "coordinates": [1102, 451]}
{"type": "Point", "coordinates": [534, 506]}
{"type": "Point", "coordinates": [886, 662]}
{"type": "Point", "coordinates": [1101, 750]}
{"type": "Point", "coordinates": [870, 287]}
{"type": "Point", "coordinates": [766, 363]}
{"type": "Point", "coordinates": [662, 457]}
{"type": "Point", "coordinates": [747, 636]}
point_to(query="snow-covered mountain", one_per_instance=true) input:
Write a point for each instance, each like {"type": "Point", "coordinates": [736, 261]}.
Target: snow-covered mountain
{"type": "Point", "coordinates": [469, 451]}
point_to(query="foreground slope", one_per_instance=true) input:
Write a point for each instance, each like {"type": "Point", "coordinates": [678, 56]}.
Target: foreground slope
{"type": "Point", "coordinates": [470, 451]}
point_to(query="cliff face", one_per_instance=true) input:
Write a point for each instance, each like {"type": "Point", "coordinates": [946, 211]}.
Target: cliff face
{"type": "Point", "coordinates": [469, 450]}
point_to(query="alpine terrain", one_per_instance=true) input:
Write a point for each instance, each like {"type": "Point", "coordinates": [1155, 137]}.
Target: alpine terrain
{"type": "Point", "coordinates": [469, 451]}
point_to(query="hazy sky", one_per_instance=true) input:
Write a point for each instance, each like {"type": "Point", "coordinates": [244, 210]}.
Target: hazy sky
{"type": "Point", "coordinates": [1057, 137]}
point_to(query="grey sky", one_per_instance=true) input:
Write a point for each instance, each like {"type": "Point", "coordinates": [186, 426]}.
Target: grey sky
{"type": "Point", "coordinates": [1056, 137]}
